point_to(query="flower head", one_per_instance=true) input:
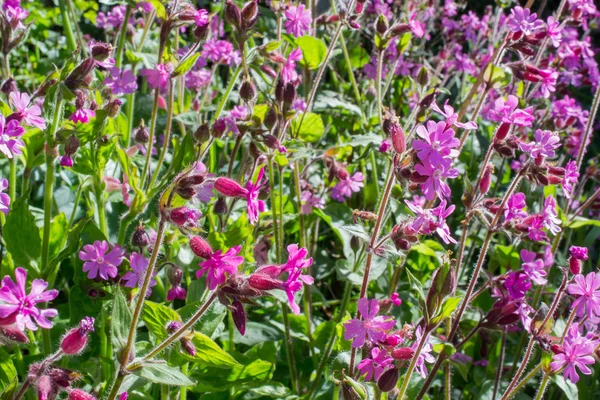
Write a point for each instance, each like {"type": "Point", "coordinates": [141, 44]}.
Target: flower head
{"type": "Point", "coordinates": [376, 365]}
{"type": "Point", "coordinates": [30, 115]}
{"type": "Point", "coordinates": [570, 178]}
{"type": "Point", "coordinates": [100, 260]}
{"type": "Point", "coordinates": [16, 306]}
{"type": "Point", "coordinates": [586, 290]}
{"type": "Point", "coordinates": [543, 146]}
{"type": "Point", "coordinates": [425, 353]}
{"type": "Point", "coordinates": [218, 264]}
{"type": "Point", "coordinates": [515, 207]}
{"type": "Point", "coordinates": [310, 201]}
{"type": "Point", "coordinates": [135, 277]}
{"type": "Point", "coordinates": [370, 327]}
{"type": "Point", "coordinates": [434, 175]}
{"type": "Point", "coordinates": [298, 20]}
{"type": "Point", "coordinates": [288, 71]}
{"type": "Point", "coordinates": [121, 82]}
{"type": "Point", "coordinates": [158, 78]}
{"type": "Point", "coordinates": [82, 115]}
{"type": "Point", "coordinates": [550, 215]}
{"type": "Point", "coordinates": [576, 354]}
{"type": "Point", "coordinates": [506, 111]}
{"type": "Point", "coordinates": [438, 143]}
{"type": "Point", "coordinates": [534, 268]}
{"type": "Point", "coordinates": [201, 17]}
{"type": "Point", "coordinates": [10, 137]}
{"type": "Point", "coordinates": [522, 20]}
{"type": "Point", "coordinates": [344, 188]}
{"type": "Point", "coordinates": [452, 117]}
{"type": "Point", "coordinates": [517, 284]}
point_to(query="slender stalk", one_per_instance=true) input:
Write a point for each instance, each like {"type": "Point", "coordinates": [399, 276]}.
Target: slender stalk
{"type": "Point", "coordinates": [168, 127]}
{"type": "Point", "coordinates": [500, 365]}
{"type": "Point", "coordinates": [12, 179]}
{"type": "Point", "coordinates": [448, 382]}
{"type": "Point", "coordinates": [482, 98]}
{"type": "Point", "coordinates": [413, 363]}
{"type": "Point", "coordinates": [585, 205]}
{"type": "Point", "coordinates": [589, 127]}
{"type": "Point", "coordinates": [527, 378]}
{"type": "Point", "coordinates": [542, 388]}
{"type": "Point", "coordinates": [100, 206]}
{"type": "Point", "coordinates": [71, 44]}
{"type": "Point", "coordinates": [150, 137]}
{"type": "Point", "coordinates": [378, 88]}
{"type": "Point", "coordinates": [122, 36]}
{"type": "Point", "coordinates": [507, 393]}
{"type": "Point", "coordinates": [290, 350]}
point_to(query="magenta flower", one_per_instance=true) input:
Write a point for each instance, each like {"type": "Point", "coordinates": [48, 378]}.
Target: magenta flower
{"type": "Point", "coordinates": [371, 327]}
{"type": "Point", "coordinates": [197, 79]}
{"type": "Point", "coordinates": [517, 284]}
{"type": "Point", "coordinates": [579, 253]}
{"type": "Point", "coordinates": [99, 261]}
{"type": "Point", "coordinates": [218, 264]}
{"type": "Point", "coordinates": [288, 71]}
{"type": "Point", "coordinates": [206, 190]}
{"type": "Point", "coordinates": [535, 225]}
{"type": "Point", "coordinates": [176, 292]}
{"type": "Point", "coordinates": [506, 111]}
{"type": "Point", "coordinates": [231, 188]}
{"type": "Point", "coordinates": [544, 145]}
{"type": "Point", "coordinates": [550, 215]}
{"type": "Point", "coordinates": [344, 188]}
{"type": "Point", "coordinates": [515, 207]}
{"type": "Point", "coordinates": [428, 220]}
{"type": "Point", "coordinates": [298, 20]}
{"type": "Point", "coordinates": [434, 183]}
{"type": "Point", "coordinates": [548, 84]}
{"type": "Point", "coordinates": [451, 118]}
{"type": "Point", "coordinates": [10, 137]}
{"type": "Point", "coordinates": [441, 227]}
{"type": "Point", "coordinates": [135, 277]}
{"type": "Point", "coordinates": [295, 278]}
{"type": "Point", "coordinates": [396, 300]}
{"type": "Point", "coordinates": [586, 290]}
{"type": "Point", "coordinates": [534, 269]}
{"type": "Point", "coordinates": [220, 51]}
{"type": "Point", "coordinates": [554, 31]}
{"type": "Point", "coordinates": [570, 178]}
{"type": "Point", "coordinates": [310, 201]}
{"type": "Point", "coordinates": [425, 353]}
{"type": "Point", "coordinates": [522, 20]}
{"type": "Point", "coordinates": [30, 115]}
{"type": "Point", "coordinates": [577, 353]}
{"type": "Point", "coordinates": [201, 17]}
{"type": "Point", "coordinates": [417, 28]}
{"type": "Point", "coordinates": [121, 82]}
{"type": "Point", "coordinates": [158, 78]}
{"type": "Point", "coordinates": [376, 365]}
{"type": "Point", "coordinates": [4, 198]}
{"type": "Point", "coordinates": [185, 217]}
{"type": "Point", "coordinates": [20, 308]}
{"type": "Point", "coordinates": [437, 144]}
{"type": "Point", "coordinates": [82, 115]}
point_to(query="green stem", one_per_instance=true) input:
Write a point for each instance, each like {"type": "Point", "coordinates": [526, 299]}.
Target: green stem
{"type": "Point", "coordinates": [71, 44]}
{"type": "Point", "coordinates": [225, 96]}
{"type": "Point", "coordinates": [151, 137]}
{"type": "Point", "coordinates": [122, 36]}
{"type": "Point", "coordinates": [290, 350]}
{"type": "Point", "coordinates": [101, 208]}
{"type": "Point", "coordinates": [170, 107]}
{"type": "Point", "coordinates": [412, 365]}
{"type": "Point", "coordinates": [12, 179]}
{"type": "Point", "coordinates": [542, 389]}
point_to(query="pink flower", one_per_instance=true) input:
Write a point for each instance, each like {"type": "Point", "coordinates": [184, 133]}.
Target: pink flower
{"type": "Point", "coordinates": [197, 79]}
{"type": "Point", "coordinates": [521, 20]}
{"type": "Point", "coordinates": [16, 306]}
{"type": "Point", "coordinates": [220, 51]}
{"type": "Point", "coordinates": [550, 215]}
{"type": "Point", "coordinates": [31, 116]}
{"type": "Point", "coordinates": [218, 264]}
{"type": "Point", "coordinates": [579, 253]}
{"type": "Point", "coordinates": [434, 183]}
{"type": "Point", "coordinates": [206, 190]}
{"type": "Point", "coordinates": [344, 188]}
{"type": "Point", "coordinates": [376, 365]}
{"type": "Point", "coordinates": [4, 198]}
{"type": "Point", "coordinates": [185, 217]}
{"type": "Point", "coordinates": [288, 72]}
{"type": "Point", "coordinates": [297, 261]}
{"type": "Point", "coordinates": [121, 82]}
{"type": "Point", "coordinates": [135, 277]}
{"type": "Point", "coordinates": [586, 290]}
{"type": "Point", "coordinates": [231, 188]}
{"type": "Point", "coordinates": [371, 327]}
{"type": "Point", "coordinates": [201, 17]}
{"type": "Point", "coordinates": [298, 20]}
{"type": "Point", "coordinates": [176, 292]}
{"type": "Point", "coordinates": [10, 137]}
{"type": "Point", "coordinates": [544, 145]}
{"type": "Point", "coordinates": [535, 224]}
{"type": "Point", "coordinates": [416, 27]}
{"type": "Point", "coordinates": [395, 298]}
{"type": "Point", "coordinates": [577, 353]}
{"type": "Point", "coordinates": [310, 201]}
{"type": "Point", "coordinates": [534, 269]}
{"type": "Point", "coordinates": [554, 31]}
{"type": "Point", "coordinates": [515, 207]}
{"type": "Point", "coordinates": [451, 118]}
{"type": "Point", "coordinates": [437, 144]}
{"type": "Point", "coordinates": [570, 178]}
{"type": "Point", "coordinates": [425, 353]}
{"type": "Point", "coordinates": [82, 115]}
{"type": "Point", "coordinates": [506, 111]}
{"type": "Point", "coordinates": [158, 78]}
{"type": "Point", "coordinates": [548, 85]}
{"type": "Point", "coordinates": [99, 261]}
{"type": "Point", "coordinates": [517, 284]}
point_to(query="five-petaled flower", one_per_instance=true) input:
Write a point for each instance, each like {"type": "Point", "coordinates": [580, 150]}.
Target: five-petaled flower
{"type": "Point", "coordinates": [218, 264]}
{"type": "Point", "coordinates": [100, 260]}
{"type": "Point", "coordinates": [586, 290]}
{"type": "Point", "coordinates": [370, 327]}
{"type": "Point", "coordinates": [298, 20]}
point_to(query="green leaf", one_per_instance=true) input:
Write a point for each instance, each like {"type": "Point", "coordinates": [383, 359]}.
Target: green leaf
{"type": "Point", "coordinates": [8, 376]}
{"type": "Point", "coordinates": [358, 57]}
{"type": "Point", "coordinates": [311, 129]}
{"type": "Point", "coordinates": [163, 374]}
{"type": "Point", "coordinates": [578, 222]}
{"type": "Point", "coordinates": [156, 317]}
{"type": "Point", "coordinates": [22, 235]}
{"type": "Point", "coordinates": [272, 46]}
{"type": "Point", "coordinates": [569, 389]}
{"type": "Point", "coordinates": [314, 51]}
{"type": "Point", "coordinates": [447, 309]}
{"type": "Point", "coordinates": [159, 8]}
{"type": "Point", "coordinates": [209, 353]}
{"type": "Point", "coordinates": [416, 285]}
{"type": "Point", "coordinates": [121, 320]}
{"type": "Point", "coordinates": [58, 234]}
{"type": "Point", "coordinates": [184, 67]}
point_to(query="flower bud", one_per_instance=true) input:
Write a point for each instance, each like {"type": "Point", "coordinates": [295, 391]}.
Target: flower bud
{"type": "Point", "coordinates": [200, 247]}
{"type": "Point", "coordinates": [188, 346]}
{"type": "Point", "coordinates": [239, 316]}
{"type": "Point", "coordinates": [220, 206]}
{"type": "Point", "coordinates": [80, 76]}
{"type": "Point", "coordinates": [140, 238]}
{"type": "Point", "coordinates": [141, 134]}
{"type": "Point", "coordinates": [388, 380]}
{"type": "Point", "coordinates": [557, 349]}
{"type": "Point", "coordinates": [249, 14]}
{"type": "Point", "coordinates": [279, 89]}
{"type": "Point", "coordinates": [398, 139]}
{"type": "Point", "coordinates": [271, 118]}
{"type": "Point", "coordinates": [218, 128]}
{"type": "Point", "coordinates": [202, 134]}
{"type": "Point", "coordinates": [423, 76]}
{"type": "Point", "coordinates": [101, 51]}
{"type": "Point", "coordinates": [173, 326]}
{"type": "Point", "coordinates": [428, 99]}
{"type": "Point", "coordinates": [400, 29]}
{"type": "Point", "coordinates": [229, 187]}
{"type": "Point", "coordinates": [112, 108]}
{"type": "Point", "coordinates": [183, 216]}
{"type": "Point", "coordinates": [289, 93]}
{"type": "Point", "coordinates": [575, 265]}
{"type": "Point", "coordinates": [382, 24]}
{"type": "Point", "coordinates": [403, 353]}
{"type": "Point", "coordinates": [502, 131]}
{"type": "Point", "coordinates": [46, 389]}
{"type": "Point", "coordinates": [247, 91]}
{"type": "Point", "coordinates": [263, 282]}
{"type": "Point", "coordinates": [233, 15]}
{"type": "Point", "coordinates": [486, 180]}
{"type": "Point", "coordinates": [175, 274]}
{"type": "Point", "coordinates": [78, 394]}
{"type": "Point", "coordinates": [76, 339]}
{"type": "Point", "coordinates": [9, 86]}
{"type": "Point", "coordinates": [12, 333]}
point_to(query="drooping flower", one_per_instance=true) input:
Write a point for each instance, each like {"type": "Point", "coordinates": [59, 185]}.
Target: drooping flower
{"type": "Point", "coordinates": [517, 283]}
{"type": "Point", "coordinates": [434, 183]}
{"type": "Point", "coordinates": [373, 367]}
{"type": "Point", "coordinates": [30, 115]}
{"type": "Point", "coordinates": [298, 20]}
{"type": "Point", "coordinates": [429, 220]}
{"type": "Point", "coordinates": [158, 78]}
{"type": "Point", "coordinates": [370, 327]}
{"type": "Point", "coordinates": [288, 71]}
{"type": "Point", "coordinates": [20, 308]}
{"type": "Point", "coordinates": [425, 353]}
{"type": "Point", "coordinates": [515, 207]}
{"type": "Point", "coordinates": [543, 146]}
{"type": "Point", "coordinates": [121, 82]}
{"type": "Point", "coordinates": [437, 144]}
{"type": "Point", "coordinates": [4, 198]}
{"type": "Point", "coordinates": [344, 188]}
{"type": "Point", "coordinates": [100, 260]}
{"type": "Point", "coordinates": [586, 290]}
{"type": "Point", "coordinates": [310, 201]}
{"type": "Point", "coordinates": [534, 268]}
{"type": "Point", "coordinates": [135, 277]}
{"type": "Point", "coordinates": [570, 178]}
{"type": "Point", "coordinates": [550, 215]}
{"type": "Point", "coordinates": [218, 264]}
{"type": "Point", "coordinates": [396, 300]}
{"type": "Point", "coordinates": [10, 137]}
{"type": "Point", "coordinates": [522, 20]}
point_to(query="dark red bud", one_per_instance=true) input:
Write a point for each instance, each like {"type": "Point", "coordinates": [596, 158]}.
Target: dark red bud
{"type": "Point", "coordinates": [200, 247]}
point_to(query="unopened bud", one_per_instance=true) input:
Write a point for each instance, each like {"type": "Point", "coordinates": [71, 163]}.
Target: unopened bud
{"type": "Point", "coordinates": [229, 187]}
{"type": "Point", "coordinates": [233, 15]}
{"type": "Point", "coordinates": [101, 51]}
{"type": "Point", "coordinates": [239, 316]}
{"type": "Point", "coordinates": [388, 380]}
{"type": "Point", "coordinates": [247, 91]}
{"type": "Point", "coordinates": [249, 14]}
{"type": "Point", "coordinates": [78, 394]}
{"type": "Point", "coordinates": [279, 90]}
{"type": "Point", "coordinates": [140, 237]}
{"type": "Point", "coordinates": [263, 282]}
{"type": "Point", "coordinates": [9, 86]}
{"type": "Point", "coordinates": [486, 180]}
{"type": "Point", "coordinates": [46, 389]}
{"type": "Point", "coordinates": [200, 247]}
{"type": "Point", "coordinates": [423, 76]}
{"type": "Point", "coordinates": [112, 108]}
{"type": "Point", "coordinates": [76, 339]}
{"type": "Point", "coordinates": [403, 353]}
{"type": "Point", "coordinates": [202, 134]}
{"type": "Point", "coordinates": [382, 24]}
{"type": "Point", "coordinates": [218, 128]}
{"type": "Point", "coordinates": [289, 93]}
{"type": "Point", "coordinates": [220, 206]}
{"type": "Point", "coordinates": [502, 131]}
{"type": "Point", "coordinates": [271, 118]}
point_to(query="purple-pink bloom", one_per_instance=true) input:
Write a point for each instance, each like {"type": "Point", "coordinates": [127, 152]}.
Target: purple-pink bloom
{"type": "Point", "coordinates": [99, 261]}
{"type": "Point", "coordinates": [310, 201]}
{"type": "Point", "coordinates": [231, 188]}
{"type": "Point", "coordinates": [344, 188]}
{"type": "Point", "coordinates": [548, 84]}
{"type": "Point", "coordinates": [535, 225]}
{"type": "Point", "coordinates": [4, 198]}
{"type": "Point", "coordinates": [206, 190]}
{"type": "Point", "coordinates": [288, 71]}
{"type": "Point", "coordinates": [517, 284]}
{"type": "Point", "coordinates": [424, 355]}
{"type": "Point", "coordinates": [451, 117]}
{"type": "Point", "coordinates": [220, 51]}
{"type": "Point", "coordinates": [543, 146]}
{"type": "Point", "coordinates": [428, 220]}
{"type": "Point", "coordinates": [506, 111]}
{"type": "Point", "coordinates": [297, 261]}
{"type": "Point", "coordinates": [434, 183]}
{"type": "Point", "coordinates": [298, 20]}
{"type": "Point", "coordinates": [522, 20]}
{"type": "Point", "coordinates": [218, 264]}
{"type": "Point", "coordinates": [18, 306]}
{"type": "Point", "coordinates": [416, 27]}
{"type": "Point", "coordinates": [437, 144]}
{"type": "Point", "coordinates": [197, 79]}
{"type": "Point", "coordinates": [577, 353]}
{"type": "Point", "coordinates": [515, 207]}
{"type": "Point", "coordinates": [135, 277]}
{"type": "Point", "coordinates": [201, 17]}
{"type": "Point", "coordinates": [570, 178]}
{"type": "Point", "coordinates": [586, 290]}
{"type": "Point", "coordinates": [176, 292]}
{"type": "Point", "coordinates": [578, 253]}
{"type": "Point", "coordinates": [370, 327]}
{"type": "Point", "coordinates": [121, 82]}
{"type": "Point", "coordinates": [534, 268]}
{"type": "Point", "coordinates": [10, 137]}
{"type": "Point", "coordinates": [158, 78]}
{"type": "Point", "coordinates": [30, 115]}
{"type": "Point", "coordinates": [82, 115]}
{"type": "Point", "coordinates": [550, 215]}
{"type": "Point", "coordinates": [376, 365]}
{"type": "Point", "coordinates": [554, 31]}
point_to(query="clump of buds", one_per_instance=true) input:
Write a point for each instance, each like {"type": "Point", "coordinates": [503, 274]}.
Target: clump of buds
{"type": "Point", "coordinates": [186, 340]}
{"type": "Point", "coordinates": [403, 237]}
{"type": "Point", "coordinates": [76, 339]}
{"type": "Point", "coordinates": [443, 284]}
